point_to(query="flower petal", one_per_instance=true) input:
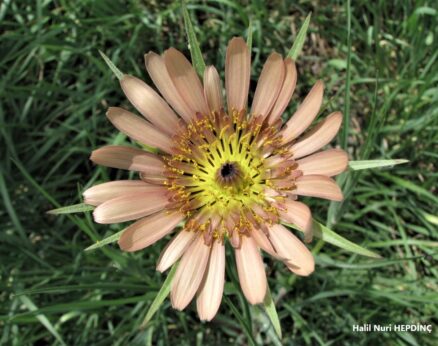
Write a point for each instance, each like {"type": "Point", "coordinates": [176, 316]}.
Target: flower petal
{"type": "Point", "coordinates": [186, 80]}
{"type": "Point", "coordinates": [237, 74]}
{"type": "Point", "coordinates": [150, 104]}
{"type": "Point", "coordinates": [286, 91]}
{"type": "Point", "coordinates": [189, 274]}
{"type": "Point", "coordinates": [305, 114]}
{"type": "Point", "coordinates": [157, 70]}
{"type": "Point", "coordinates": [299, 259]}
{"type": "Point", "coordinates": [131, 207]}
{"type": "Point", "coordinates": [174, 250]}
{"type": "Point", "coordinates": [133, 159]}
{"type": "Point", "coordinates": [138, 129]}
{"type": "Point", "coordinates": [318, 186]}
{"type": "Point", "coordinates": [147, 231]}
{"type": "Point", "coordinates": [101, 193]}
{"type": "Point", "coordinates": [329, 162]}
{"type": "Point", "coordinates": [210, 293]}
{"type": "Point", "coordinates": [321, 135]}
{"type": "Point", "coordinates": [268, 86]}
{"type": "Point", "coordinates": [251, 271]}
{"type": "Point", "coordinates": [300, 215]}
{"type": "Point", "coordinates": [213, 89]}
{"type": "Point", "coordinates": [262, 241]}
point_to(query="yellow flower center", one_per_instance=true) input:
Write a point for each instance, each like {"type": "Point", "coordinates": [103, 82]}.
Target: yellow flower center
{"type": "Point", "coordinates": [218, 169]}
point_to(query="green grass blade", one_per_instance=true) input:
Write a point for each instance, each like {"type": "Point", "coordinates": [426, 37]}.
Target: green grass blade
{"type": "Point", "coordinates": [75, 208]}
{"type": "Point", "coordinates": [346, 117]}
{"type": "Point", "coordinates": [249, 36]}
{"type": "Point", "coordinates": [271, 311]}
{"type": "Point", "coordinates": [331, 237]}
{"type": "Point", "coordinates": [9, 206]}
{"type": "Point", "coordinates": [43, 319]}
{"type": "Point", "coordinates": [108, 240]}
{"type": "Point", "coordinates": [369, 265]}
{"type": "Point", "coordinates": [367, 164]}
{"type": "Point", "coordinates": [433, 219]}
{"type": "Point", "coordinates": [195, 51]}
{"type": "Point", "coordinates": [406, 184]}
{"type": "Point", "coordinates": [161, 296]}
{"type": "Point", "coordinates": [116, 71]}
{"type": "Point", "coordinates": [299, 40]}
{"type": "Point", "coordinates": [246, 328]}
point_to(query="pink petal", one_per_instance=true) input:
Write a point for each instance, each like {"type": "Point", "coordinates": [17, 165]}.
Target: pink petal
{"type": "Point", "coordinates": [159, 74]}
{"type": "Point", "coordinates": [251, 271]}
{"type": "Point", "coordinates": [329, 162]}
{"type": "Point", "coordinates": [299, 259]}
{"type": "Point", "coordinates": [237, 74]}
{"type": "Point", "coordinates": [147, 231]}
{"type": "Point", "coordinates": [262, 241]}
{"type": "Point", "coordinates": [321, 135]}
{"type": "Point", "coordinates": [300, 215]}
{"type": "Point", "coordinates": [189, 274]}
{"type": "Point", "coordinates": [286, 91]}
{"type": "Point", "coordinates": [133, 159]}
{"type": "Point", "coordinates": [186, 80]}
{"type": "Point", "coordinates": [131, 207]}
{"type": "Point", "coordinates": [268, 86]}
{"type": "Point", "coordinates": [210, 293]}
{"type": "Point", "coordinates": [174, 250]}
{"type": "Point", "coordinates": [318, 186]}
{"type": "Point", "coordinates": [150, 104]}
{"type": "Point", "coordinates": [305, 114]}
{"type": "Point", "coordinates": [101, 193]}
{"type": "Point", "coordinates": [213, 89]}
{"type": "Point", "coordinates": [138, 129]}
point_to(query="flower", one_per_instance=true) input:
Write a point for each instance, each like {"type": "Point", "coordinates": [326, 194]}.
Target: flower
{"type": "Point", "coordinates": [228, 174]}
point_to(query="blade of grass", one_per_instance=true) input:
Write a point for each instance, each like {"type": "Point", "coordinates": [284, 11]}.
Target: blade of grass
{"type": "Point", "coordinates": [195, 51]}
{"type": "Point", "coordinates": [70, 209]}
{"type": "Point", "coordinates": [297, 46]}
{"type": "Point", "coordinates": [11, 211]}
{"type": "Point", "coordinates": [116, 71]}
{"type": "Point", "coordinates": [361, 266]}
{"type": "Point", "coordinates": [346, 119]}
{"type": "Point", "coordinates": [367, 164]}
{"type": "Point", "coordinates": [411, 186]}
{"type": "Point", "coordinates": [242, 321]}
{"type": "Point", "coordinates": [331, 237]}
{"type": "Point", "coordinates": [271, 311]}
{"type": "Point", "coordinates": [161, 296]}
{"type": "Point", "coordinates": [249, 36]}
{"type": "Point", "coordinates": [42, 318]}
{"type": "Point", "coordinates": [108, 240]}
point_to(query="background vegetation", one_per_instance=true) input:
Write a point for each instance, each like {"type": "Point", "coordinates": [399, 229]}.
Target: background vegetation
{"type": "Point", "coordinates": [54, 91]}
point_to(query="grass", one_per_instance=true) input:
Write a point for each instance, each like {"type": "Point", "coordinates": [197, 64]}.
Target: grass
{"type": "Point", "coordinates": [377, 59]}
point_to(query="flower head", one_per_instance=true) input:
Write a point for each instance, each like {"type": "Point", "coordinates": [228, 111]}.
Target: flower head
{"type": "Point", "coordinates": [228, 174]}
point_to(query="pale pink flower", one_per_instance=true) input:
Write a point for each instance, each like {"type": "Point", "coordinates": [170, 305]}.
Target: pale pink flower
{"type": "Point", "coordinates": [227, 173]}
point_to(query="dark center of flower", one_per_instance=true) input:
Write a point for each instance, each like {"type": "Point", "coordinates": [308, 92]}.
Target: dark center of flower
{"type": "Point", "coordinates": [229, 174]}
{"type": "Point", "coordinates": [227, 170]}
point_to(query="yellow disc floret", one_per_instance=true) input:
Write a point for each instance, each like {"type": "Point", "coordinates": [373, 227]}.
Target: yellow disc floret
{"type": "Point", "coordinates": [217, 174]}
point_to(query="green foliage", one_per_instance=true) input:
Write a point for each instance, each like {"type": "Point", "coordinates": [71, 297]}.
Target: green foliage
{"type": "Point", "coordinates": [195, 51]}
{"type": "Point", "coordinates": [367, 164]}
{"type": "Point", "coordinates": [55, 89]}
{"type": "Point", "coordinates": [271, 311]}
{"type": "Point", "coordinates": [160, 297]}
{"type": "Point", "coordinates": [71, 209]}
{"type": "Point", "coordinates": [300, 39]}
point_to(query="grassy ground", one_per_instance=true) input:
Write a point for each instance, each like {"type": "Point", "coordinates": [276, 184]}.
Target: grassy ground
{"type": "Point", "coordinates": [54, 92]}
